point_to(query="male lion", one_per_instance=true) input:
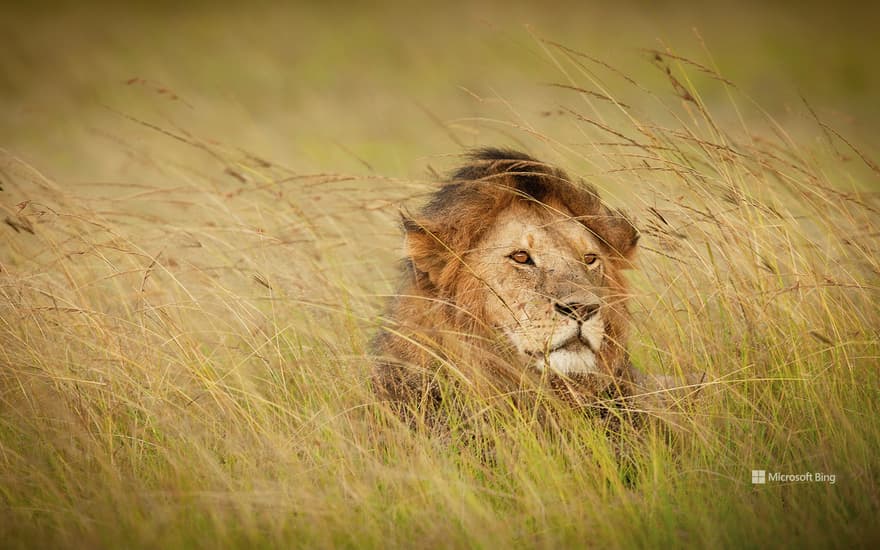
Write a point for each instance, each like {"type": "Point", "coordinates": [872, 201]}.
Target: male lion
{"type": "Point", "coordinates": [512, 277]}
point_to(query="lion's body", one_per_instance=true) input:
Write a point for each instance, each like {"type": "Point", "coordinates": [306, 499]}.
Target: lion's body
{"type": "Point", "coordinates": [512, 277]}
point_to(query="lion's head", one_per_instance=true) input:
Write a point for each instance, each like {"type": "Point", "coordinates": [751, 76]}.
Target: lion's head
{"type": "Point", "coordinates": [512, 253]}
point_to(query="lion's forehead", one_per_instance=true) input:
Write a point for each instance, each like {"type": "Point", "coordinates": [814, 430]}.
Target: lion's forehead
{"type": "Point", "coordinates": [557, 236]}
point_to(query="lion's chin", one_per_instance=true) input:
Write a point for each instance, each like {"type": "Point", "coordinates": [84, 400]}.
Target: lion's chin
{"type": "Point", "coordinates": [568, 360]}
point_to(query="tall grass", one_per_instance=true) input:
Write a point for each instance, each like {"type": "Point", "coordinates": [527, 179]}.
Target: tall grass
{"type": "Point", "coordinates": [183, 361]}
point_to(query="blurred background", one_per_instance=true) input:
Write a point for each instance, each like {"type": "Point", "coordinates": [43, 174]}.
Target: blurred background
{"type": "Point", "coordinates": [361, 88]}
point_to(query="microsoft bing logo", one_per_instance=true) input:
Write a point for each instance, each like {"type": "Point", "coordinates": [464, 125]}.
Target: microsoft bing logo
{"type": "Point", "coordinates": [759, 477]}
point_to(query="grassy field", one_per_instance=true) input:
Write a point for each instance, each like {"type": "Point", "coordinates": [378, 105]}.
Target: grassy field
{"type": "Point", "coordinates": [201, 231]}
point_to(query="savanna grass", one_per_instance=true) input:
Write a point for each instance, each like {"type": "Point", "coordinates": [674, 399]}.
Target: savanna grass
{"type": "Point", "coordinates": [185, 363]}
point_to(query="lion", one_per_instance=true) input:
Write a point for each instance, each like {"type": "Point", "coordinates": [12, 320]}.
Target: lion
{"type": "Point", "coordinates": [513, 276]}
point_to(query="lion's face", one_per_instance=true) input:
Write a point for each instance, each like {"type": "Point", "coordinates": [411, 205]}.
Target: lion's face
{"type": "Point", "coordinates": [543, 279]}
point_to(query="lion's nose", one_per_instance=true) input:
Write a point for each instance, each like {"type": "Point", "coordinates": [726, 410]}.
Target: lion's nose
{"type": "Point", "coordinates": [578, 312]}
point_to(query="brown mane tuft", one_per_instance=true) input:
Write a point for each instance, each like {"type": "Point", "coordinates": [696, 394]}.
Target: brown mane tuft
{"type": "Point", "coordinates": [459, 212]}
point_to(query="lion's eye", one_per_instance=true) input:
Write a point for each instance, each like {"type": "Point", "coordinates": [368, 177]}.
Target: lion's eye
{"type": "Point", "coordinates": [591, 259]}
{"type": "Point", "coordinates": [522, 257]}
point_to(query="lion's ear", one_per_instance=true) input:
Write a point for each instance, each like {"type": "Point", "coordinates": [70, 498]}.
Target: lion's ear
{"type": "Point", "coordinates": [619, 234]}
{"type": "Point", "coordinates": [426, 248]}
{"type": "Point", "coordinates": [629, 253]}
{"type": "Point", "coordinates": [624, 238]}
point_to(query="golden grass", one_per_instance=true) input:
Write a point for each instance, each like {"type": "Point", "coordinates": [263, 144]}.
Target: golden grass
{"type": "Point", "coordinates": [183, 359]}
